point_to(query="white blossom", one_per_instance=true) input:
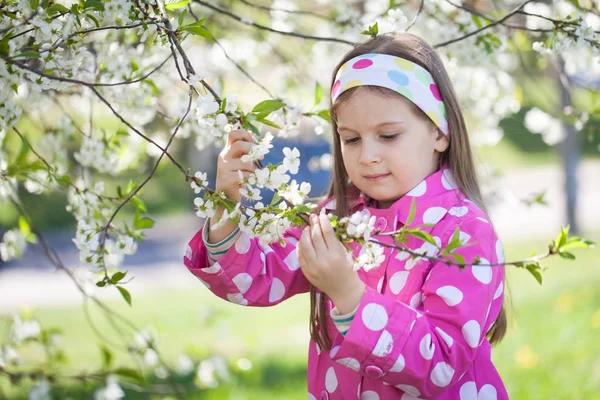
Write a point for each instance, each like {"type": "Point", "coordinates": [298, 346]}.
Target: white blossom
{"type": "Point", "coordinates": [360, 225]}
{"type": "Point", "coordinates": [295, 193]}
{"type": "Point", "coordinates": [371, 256]}
{"type": "Point", "coordinates": [204, 209]}
{"type": "Point", "coordinates": [250, 193]}
{"type": "Point", "coordinates": [541, 123]}
{"type": "Point", "coordinates": [13, 245]}
{"type": "Point", "coordinates": [291, 162]}
{"type": "Point", "coordinates": [259, 149]}
{"type": "Point", "coordinates": [184, 365]}
{"type": "Point", "coordinates": [23, 330]}
{"type": "Point", "coordinates": [112, 391]}
{"type": "Point", "coordinates": [201, 176]}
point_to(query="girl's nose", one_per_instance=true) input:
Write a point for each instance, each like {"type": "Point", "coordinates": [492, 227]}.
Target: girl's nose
{"type": "Point", "coordinates": [370, 153]}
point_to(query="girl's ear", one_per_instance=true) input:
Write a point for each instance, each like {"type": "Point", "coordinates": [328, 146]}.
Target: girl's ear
{"type": "Point", "coordinates": [441, 141]}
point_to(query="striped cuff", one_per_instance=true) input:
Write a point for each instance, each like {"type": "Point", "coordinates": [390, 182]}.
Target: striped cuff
{"type": "Point", "coordinates": [343, 322]}
{"type": "Point", "coordinates": [217, 250]}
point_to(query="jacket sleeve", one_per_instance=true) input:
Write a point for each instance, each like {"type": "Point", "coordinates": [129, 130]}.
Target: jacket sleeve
{"type": "Point", "coordinates": [424, 350]}
{"type": "Point", "coordinates": [250, 273]}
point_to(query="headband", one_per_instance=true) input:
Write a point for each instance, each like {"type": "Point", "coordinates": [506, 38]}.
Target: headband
{"type": "Point", "coordinates": [398, 74]}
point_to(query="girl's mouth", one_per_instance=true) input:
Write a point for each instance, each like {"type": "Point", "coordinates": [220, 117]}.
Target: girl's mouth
{"type": "Point", "coordinates": [376, 177]}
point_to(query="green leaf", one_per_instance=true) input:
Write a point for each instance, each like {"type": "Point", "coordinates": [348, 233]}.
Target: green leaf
{"type": "Point", "coordinates": [107, 357]}
{"type": "Point", "coordinates": [577, 243]}
{"type": "Point", "coordinates": [118, 276]}
{"type": "Point", "coordinates": [318, 93]}
{"type": "Point", "coordinates": [575, 2]}
{"type": "Point", "coordinates": [90, 16]}
{"type": "Point", "coordinates": [131, 186]}
{"type": "Point", "coordinates": [567, 255]}
{"type": "Point", "coordinates": [196, 28]}
{"type": "Point", "coordinates": [171, 5]}
{"type": "Point", "coordinates": [561, 239]}
{"type": "Point", "coordinates": [56, 8]}
{"type": "Point", "coordinates": [4, 48]}
{"type": "Point", "coordinates": [101, 283]}
{"type": "Point", "coordinates": [26, 230]}
{"type": "Point", "coordinates": [130, 373]}
{"type": "Point", "coordinates": [34, 4]}
{"type": "Point", "coordinates": [303, 208]}
{"type": "Point", "coordinates": [372, 31]}
{"type": "Point", "coordinates": [140, 222]}
{"type": "Point", "coordinates": [325, 115]}
{"type": "Point", "coordinates": [139, 204]}
{"type": "Point", "coordinates": [411, 213]}
{"type": "Point", "coordinates": [64, 180]}
{"type": "Point", "coordinates": [422, 235]}
{"type": "Point", "coordinates": [269, 123]}
{"type": "Point", "coordinates": [28, 54]}
{"type": "Point", "coordinates": [181, 17]}
{"type": "Point", "coordinates": [253, 128]}
{"type": "Point", "coordinates": [276, 198]}
{"type": "Point", "coordinates": [125, 294]}
{"type": "Point", "coordinates": [455, 242]}
{"type": "Point", "coordinates": [268, 106]}
{"type": "Point", "coordinates": [458, 258]}
{"type": "Point", "coordinates": [534, 270]}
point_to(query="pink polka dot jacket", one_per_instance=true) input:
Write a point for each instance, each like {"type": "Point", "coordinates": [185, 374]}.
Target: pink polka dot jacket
{"type": "Point", "coordinates": [420, 328]}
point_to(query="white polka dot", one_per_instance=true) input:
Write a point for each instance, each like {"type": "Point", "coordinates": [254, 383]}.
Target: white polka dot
{"type": "Point", "coordinates": [380, 284]}
{"type": "Point", "coordinates": [237, 298]}
{"type": "Point", "coordinates": [330, 205]}
{"type": "Point", "coordinates": [213, 269]}
{"type": "Point", "coordinates": [243, 282]}
{"type": "Point", "coordinates": [242, 245]}
{"type": "Point", "coordinates": [412, 325]}
{"type": "Point", "coordinates": [427, 347]}
{"type": "Point", "coordinates": [448, 180]}
{"type": "Point", "coordinates": [471, 332]}
{"type": "Point", "coordinates": [384, 344]}
{"type": "Point", "coordinates": [410, 264]}
{"type": "Point", "coordinates": [415, 301]}
{"type": "Point", "coordinates": [499, 290]}
{"type": "Point", "coordinates": [458, 211]}
{"type": "Point", "coordinates": [482, 273]}
{"type": "Point", "coordinates": [398, 280]}
{"type": "Point", "coordinates": [442, 374]}
{"type": "Point", "coordinates": [263, 259]}
{"type": "Point", "coordinates": [334, 351]}
{"type": "Point", "coordinates": [413, 391]}
{"type": "Point", "coordinates": [488, 311]}
{"type": "Point", "coordinates": [399, 364]}
{"type": "Point", "coordinates": [350, 362]}
{"type": "Point", "coordinates": [292, 261]}
{"type": "Point", "coordinates": [369, 395]}
{"type": "Point", "coordinates": [374, 316]}
{"type": "Point", "coordinates": [317, 348]}
{"type": "Point", "coordinates": [463, 237]}
{"type": "Point", "coordinates": [418, 190]}
{"type": "Point", "coordinates": [277, 290]}
{"type": "Point", "coordinates": [331, 382]}
{"type": "Point", "coordinates": [188, 252]}
{"type": "Point", "coordinates": [407, 396]}
{"type": "Point", "coordinates": [483, 220]}
{"type": "Point", "coordinates": [451, 295]}
{"type": "Point", "coordinates": [292, 240]}
{"type": "Point", "coordinates": [468, 391]}
{"type": "Point", "coordinates": [266, 249]}
{"type": "Point", "coordinates": [445, 337]}
{"type": "Point", "coordinates": [433, 215]}
{"type": "Point", "coordinates": [402, 255]}
{"type": "Point", "coordinates": [311, 397]}
{"type": "Point", "coordinates": [499, 252]}
{"type": "Point", "coordinates": [487, 392]}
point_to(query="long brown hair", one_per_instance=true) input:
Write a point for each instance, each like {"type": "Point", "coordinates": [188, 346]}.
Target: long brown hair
{"type": "Point", "coordinates": [458, 156]}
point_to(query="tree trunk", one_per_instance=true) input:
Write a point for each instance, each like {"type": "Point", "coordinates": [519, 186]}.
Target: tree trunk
{"type": "Point", "coordinates": [569, 150]}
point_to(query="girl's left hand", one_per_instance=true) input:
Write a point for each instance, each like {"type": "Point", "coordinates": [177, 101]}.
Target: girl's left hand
{"type": "Point", "coordinates": [325, 263]}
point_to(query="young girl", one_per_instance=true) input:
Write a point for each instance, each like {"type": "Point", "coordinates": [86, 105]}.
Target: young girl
{"type": "Point", "coordinates": [410, 328]}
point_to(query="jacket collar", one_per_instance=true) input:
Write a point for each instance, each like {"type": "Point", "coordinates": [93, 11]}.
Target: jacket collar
{"type": "Point", "coordinates": [437, 190]}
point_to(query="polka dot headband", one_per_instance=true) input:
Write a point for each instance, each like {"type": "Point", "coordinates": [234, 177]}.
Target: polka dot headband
{"type": "Point", "coordinates": [405, 77]}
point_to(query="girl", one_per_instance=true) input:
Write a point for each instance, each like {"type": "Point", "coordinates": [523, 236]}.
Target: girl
{"type": "Point", "coordinates": [410, 328]}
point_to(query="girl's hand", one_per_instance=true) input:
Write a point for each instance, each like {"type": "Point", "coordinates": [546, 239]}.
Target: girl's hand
{"type": "Point", "coordinates": [325, 264]}
{"type": "Point", "coordinates": [239, 143]}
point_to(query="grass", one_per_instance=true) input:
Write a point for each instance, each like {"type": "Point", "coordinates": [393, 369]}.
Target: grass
{"type": "Point", "coordinates": [550, 351]}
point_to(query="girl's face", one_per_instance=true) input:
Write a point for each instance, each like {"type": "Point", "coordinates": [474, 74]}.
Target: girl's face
{"type": "Point", "coordinates": [387, 147]}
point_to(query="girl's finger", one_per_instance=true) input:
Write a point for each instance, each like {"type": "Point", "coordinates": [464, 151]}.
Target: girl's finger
{"type": "Point", "coordinates": [239, 148]}
{"type": "Point", "coordinates": [239, 134]}
{"type": "Point", "coordinates": [317, 236]}
{"type": "Point", "coordinates": [327, 229]}
{"type": "Point", "coordinates": [305, 245]}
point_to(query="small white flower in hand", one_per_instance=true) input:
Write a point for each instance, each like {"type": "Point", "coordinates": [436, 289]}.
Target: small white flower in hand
{"type": "Point", "coordinates": [291, 162]}
{"type": "Point", "coordinates": [201, 176]}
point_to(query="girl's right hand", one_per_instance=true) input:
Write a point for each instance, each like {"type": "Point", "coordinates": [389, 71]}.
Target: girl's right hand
{"type": "Point", "coordinates": [239, 143]}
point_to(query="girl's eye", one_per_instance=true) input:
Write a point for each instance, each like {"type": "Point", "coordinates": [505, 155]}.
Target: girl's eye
{"type": "Point", "coordinates": [390, 137]}
{"type": "Point", "coordinates": [351, 140]}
